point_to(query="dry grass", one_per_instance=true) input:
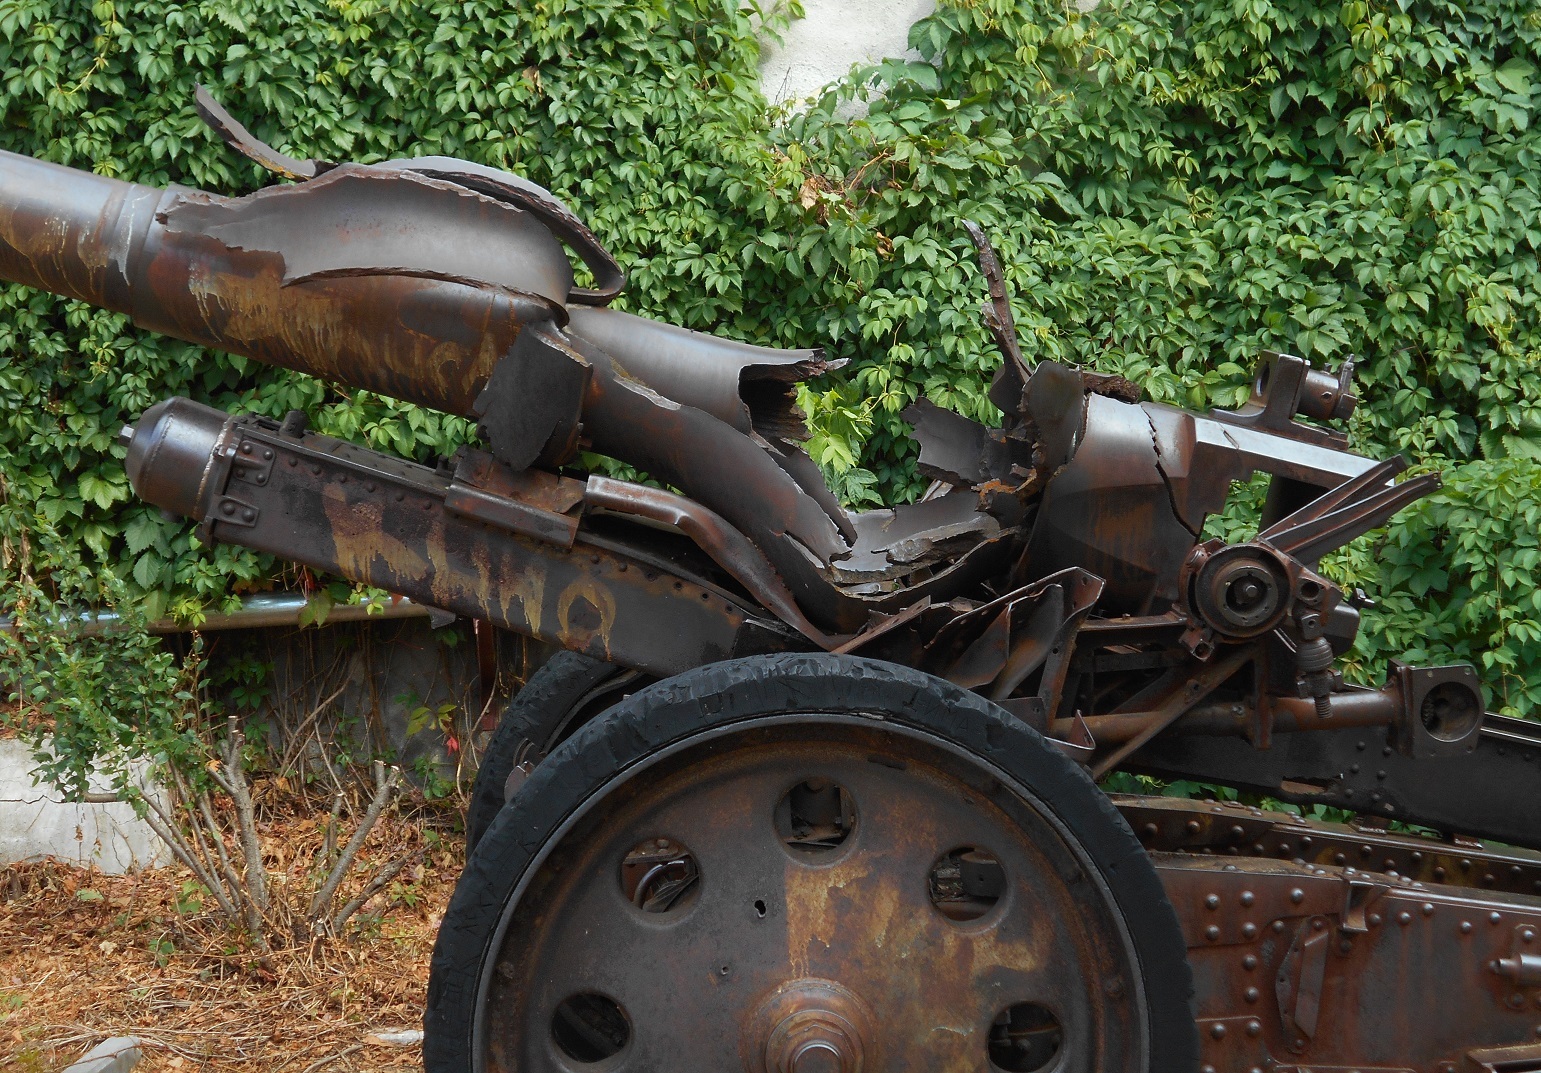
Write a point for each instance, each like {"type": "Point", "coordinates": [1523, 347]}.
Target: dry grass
{"type": "Point", "coordinates": [85, 956]}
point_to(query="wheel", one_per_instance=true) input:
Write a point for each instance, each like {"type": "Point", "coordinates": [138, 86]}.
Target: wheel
{"type": "Point", "coordinates": [789, 864]}
{"type": "Point", "coordinates": [565, 689]}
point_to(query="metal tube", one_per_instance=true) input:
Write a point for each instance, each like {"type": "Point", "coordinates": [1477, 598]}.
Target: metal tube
{"type": "Point", "coordinates": [256, 612]}
{"type": "Point", "coordinates": [1354, 708]}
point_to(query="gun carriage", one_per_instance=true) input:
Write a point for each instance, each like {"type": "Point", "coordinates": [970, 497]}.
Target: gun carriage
{"type": "Point", "coordinates": [813, 790]}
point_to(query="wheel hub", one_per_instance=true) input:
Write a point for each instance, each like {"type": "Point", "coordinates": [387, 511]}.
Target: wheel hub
{"type": "Point", "coordinates": [811, 1026]}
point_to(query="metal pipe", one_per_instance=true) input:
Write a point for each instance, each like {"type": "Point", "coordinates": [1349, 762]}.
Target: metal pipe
{"type": "Point", "coordinates": [260, 611]}
{"type": "Point", "coordinates": [1352, 708]}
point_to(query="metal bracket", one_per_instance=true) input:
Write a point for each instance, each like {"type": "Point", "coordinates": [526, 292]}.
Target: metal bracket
{"type": "Point", "coordinates": [251, 463]}
{"type": "Point", "coordinates": [1298, 984]}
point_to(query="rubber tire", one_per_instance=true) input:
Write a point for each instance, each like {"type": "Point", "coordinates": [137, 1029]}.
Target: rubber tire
{"type": "Point", "coordinates": [736, 690]}
{"type": "Point", "coordinates": [532, 716]}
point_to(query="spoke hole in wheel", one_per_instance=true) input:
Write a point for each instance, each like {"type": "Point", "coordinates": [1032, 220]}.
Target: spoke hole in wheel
{"type": "Point", "coordinates": [590, 1028]}
{"type": "Point", "coordinates": [815, 816]}
{"type": "Point", "coordinates": [967, 883]}
{"type": "Point", "coordinates": [1024, 1038]}
{"type": "Point", "coordinates": [660, 875]}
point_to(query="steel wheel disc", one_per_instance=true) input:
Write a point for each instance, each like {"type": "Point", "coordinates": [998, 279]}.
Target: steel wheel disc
{"type": "Point", "coordinates": [814, 938]}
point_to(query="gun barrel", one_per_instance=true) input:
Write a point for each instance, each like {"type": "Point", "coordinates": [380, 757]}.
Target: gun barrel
{"type": "Point", "coordinates": [334, 278]}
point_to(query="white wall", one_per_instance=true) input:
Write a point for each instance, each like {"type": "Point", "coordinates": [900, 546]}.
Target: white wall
{"type": "Point", "coordinates": [835, 34]}
{"type": "Point", "coordinates": [37, 823]}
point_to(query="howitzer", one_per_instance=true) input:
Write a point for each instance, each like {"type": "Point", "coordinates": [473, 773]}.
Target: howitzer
{"type": "Point", "coordinates": [849, 825]}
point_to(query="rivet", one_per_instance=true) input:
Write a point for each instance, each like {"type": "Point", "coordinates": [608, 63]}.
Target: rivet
{"type": "Point", "coordinates": [1338, 859]}
{"type": "Point", "coordinates": [1193, 827]}
{"type": "Point", "coordinates": [1247, 897]}
{"type": "Point", "coordinates": [1373, 919]}
{"type": "Point", "coordinates": [1319, 924]}
{"type": "Point", "coordinates": [1465, 927]}
{"type": "Point", "coordinates": [1297, 895]}
{"type": "Point", "coordinates": [369, 486]}
{"type": "Point", "coordinates": [248, 515]}
{"type": "Point", "coordinates": [1439, 872]}
{"type": "Point", "coordinates": [1428, 909]}
{"type": "Point", "coordinates": [1149, 831]}
{"type": "Point", "coordinates": [1404, 918]}
{"type": "Point", "coordinates": [267, 455]}
{"type": "Point", "coordinates": [1212, 901]}
{"type": "Point", "coordinates": [1365, 851]}
{"type": "Point", "coordinates": [1217, 1031]}
{"type": "Point", "coordinates": [246, 448]}
{"type": "Point", "coordinates": [1248, 930]}
{"type": "Point", "coordinates": [1527, 934]}
{"type": "Point", "coordinates": [1278, 925]}
{"type": "Point", "coordinates": [1381, 774]}
{"type": "Point", "coordinates": [1494, 917]}
{"type": "Point", "coordinates": [1237, 832]}
{"type": "Point", "coordinates": [1252, 994]}
{"type": "Point", "coordinates": [1249, 962]}
{"type": "Point", "coordinates": [1516, 1001]}
{"type": "Point", "coordinates": [1211, 933]}
{"type": "Point", "coordinates": [1254, 1027]}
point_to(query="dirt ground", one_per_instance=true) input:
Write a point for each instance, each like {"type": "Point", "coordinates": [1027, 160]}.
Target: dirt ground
{"type": "Point", "coordinates": [85, 956]}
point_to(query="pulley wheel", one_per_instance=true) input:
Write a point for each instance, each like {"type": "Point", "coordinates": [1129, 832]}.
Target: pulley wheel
{"type": "Point", "coordinates": [808, 864]}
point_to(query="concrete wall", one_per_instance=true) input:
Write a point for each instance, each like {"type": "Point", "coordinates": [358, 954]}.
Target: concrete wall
{"type": "Point", "coordinates": [834, 35]}
{"type": "Point", "coordinates": [36, 823]}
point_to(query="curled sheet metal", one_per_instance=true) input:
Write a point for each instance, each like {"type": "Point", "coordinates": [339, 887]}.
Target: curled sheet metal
{"type": "Point", "coordinates": [748, 387]}
{"type": "Point", "coordinates": [896, 542]}
{"type": "Point", "coordinates": [724, 470]}
{"type": "Point", "coordinates": [237, 137]}
{"type": "Point", "coordinates": [502, 186]}
{"type": "Point", "coordinates": [362, 221]}
{"type": "Point", "coordinates": [728, 548]}
{"type": "Point", "coordinates": [552, 211]}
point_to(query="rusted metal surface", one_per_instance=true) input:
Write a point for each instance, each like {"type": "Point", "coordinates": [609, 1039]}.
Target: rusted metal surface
{"type": "Point", "coordinates": [1056, 566]}
{"type": "Point", "coordinates": [1310, 968]}
{"type": "Point", "coordinates": [392, 524]}
{"type": "Point", "coordinates": [824, 926]}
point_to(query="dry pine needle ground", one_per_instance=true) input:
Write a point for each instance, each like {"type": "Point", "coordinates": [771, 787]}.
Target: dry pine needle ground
{"type": "Point", "coordinates": [85, 956]}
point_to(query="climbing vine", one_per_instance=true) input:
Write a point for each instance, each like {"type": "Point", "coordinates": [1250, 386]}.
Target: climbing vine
{"type": "Point", "coordinates": [1174, 188]}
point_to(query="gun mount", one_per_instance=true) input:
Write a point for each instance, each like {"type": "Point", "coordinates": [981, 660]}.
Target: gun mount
{"type": "Point", "coordinates": [1049, 608]}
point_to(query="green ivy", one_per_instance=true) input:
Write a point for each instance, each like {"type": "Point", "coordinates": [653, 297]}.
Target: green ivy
{"type": "Point", "coordinates": [1173, 188]}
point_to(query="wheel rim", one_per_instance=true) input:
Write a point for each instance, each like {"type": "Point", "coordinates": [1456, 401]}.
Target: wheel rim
{"type": "Point", "coordinates": [720, 908]}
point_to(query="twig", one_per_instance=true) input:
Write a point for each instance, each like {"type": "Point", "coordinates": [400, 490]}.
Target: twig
{"type": "Point", "coordinates": [375, 886]}
{"type": "Point", "coordinates": [333, 1057]}
{"type": "Point", "coordinates": [385, 787]}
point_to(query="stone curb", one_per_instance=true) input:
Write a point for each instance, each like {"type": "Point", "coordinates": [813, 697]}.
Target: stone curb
{"type": "Point", "coordinates": [117, 1055]}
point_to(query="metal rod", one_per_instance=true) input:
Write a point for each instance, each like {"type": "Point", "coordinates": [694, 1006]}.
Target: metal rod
{"type": "Point", "coordinates": [257, 612]}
